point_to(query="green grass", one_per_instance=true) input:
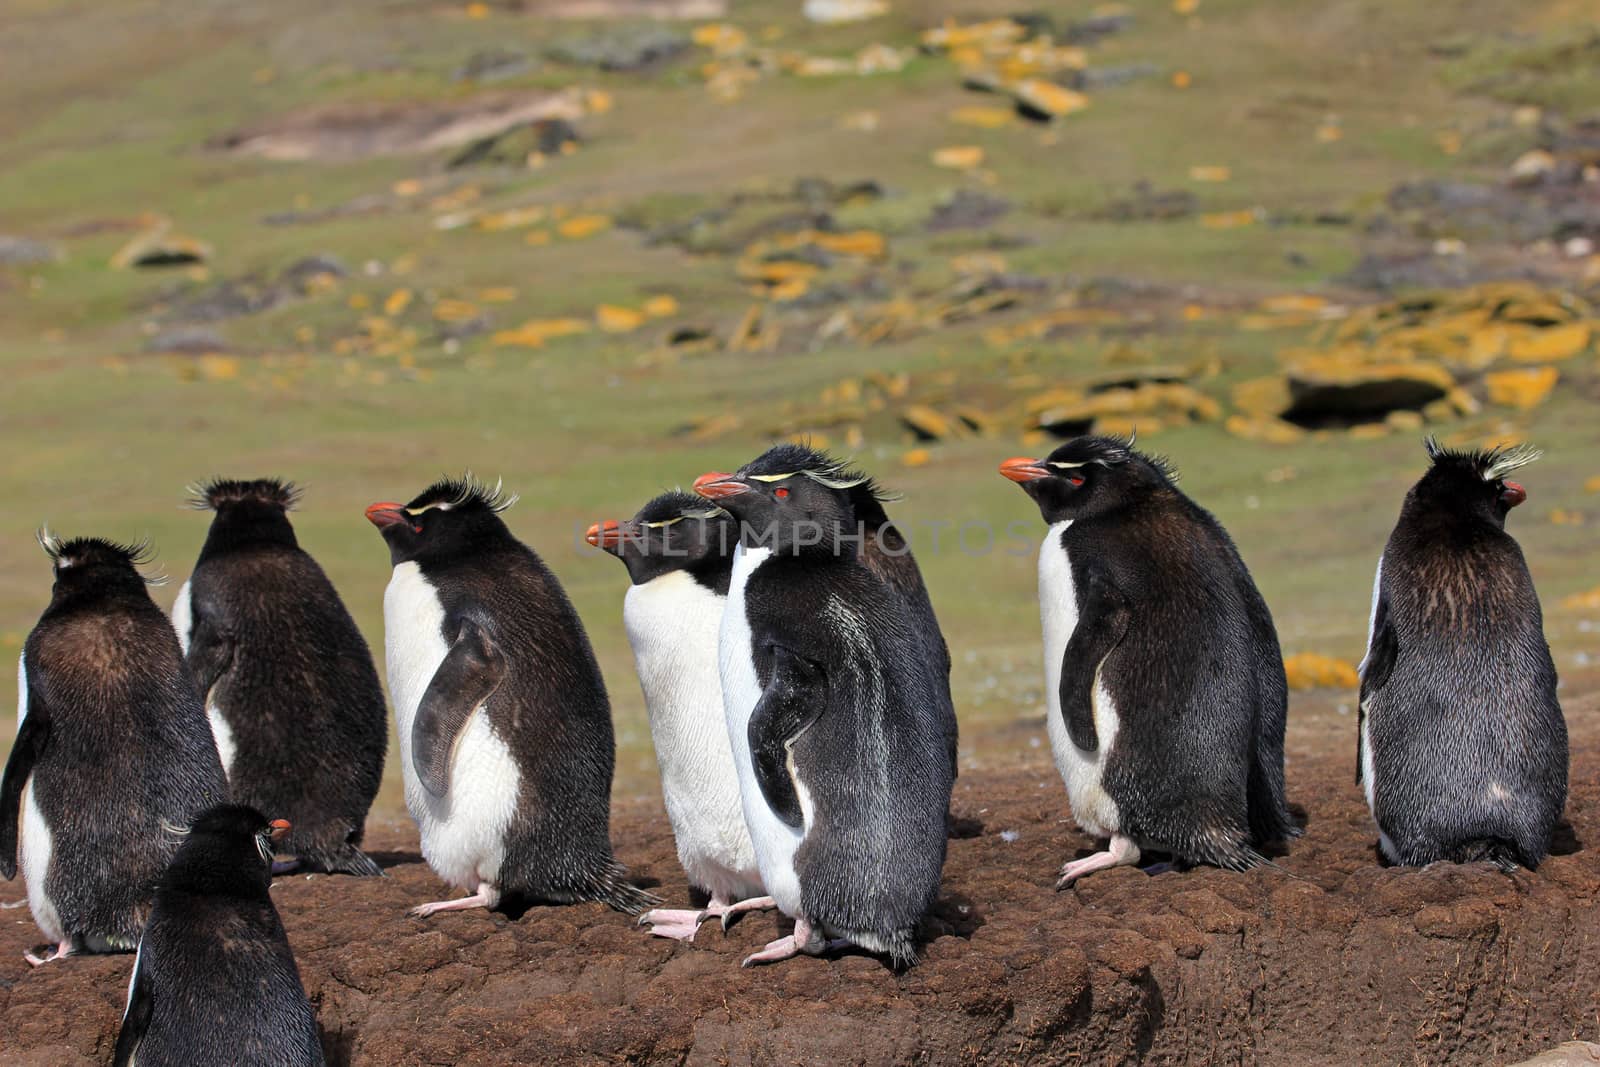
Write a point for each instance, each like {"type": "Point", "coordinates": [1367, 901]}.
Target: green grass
{"type": "Point", "coordinates": [106, 108]}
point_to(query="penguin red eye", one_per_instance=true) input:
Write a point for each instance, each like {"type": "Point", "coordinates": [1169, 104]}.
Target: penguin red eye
{"type": "Point", "coordinates": [781, 493]}
{"type": "Point", "coordinates": [416, 528]}
{"type": "Point", "coordinates": [1075, 480]}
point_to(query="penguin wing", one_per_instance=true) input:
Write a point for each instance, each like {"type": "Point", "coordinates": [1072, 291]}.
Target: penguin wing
{"type": "Point", "coordinates": [1102, 622]}
{"type": "Point", "coordinates": [794, 698]}
{"type": "Point", "coordinates": [210, 652]}
{"type": "Point", "coordinates": [1382, 650]}
{"type": "Point", "coordinates": [136, 1018]}
{"type": "Point", "coordinates": [472, 669]}
{"type": "Point", "coordinates": [31, 738]}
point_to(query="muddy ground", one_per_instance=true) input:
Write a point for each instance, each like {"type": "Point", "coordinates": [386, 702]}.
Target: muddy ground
{"type": "Point", "coordinates": [1327, 958]}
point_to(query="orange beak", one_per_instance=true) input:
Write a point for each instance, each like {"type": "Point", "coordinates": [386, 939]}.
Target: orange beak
{"type": "Point", "coordinates": [606, 534]}
{"type": "Point", "coordinates": [1022, 469]}
{"type": "Point", "coordinates": [279, 828]}
{"type": "Point", "coordinates": [717, 486]}
{"type": "Point", "coordinates": [386, 513]}
{"type": "Point", "coordinates": [1513, 494]}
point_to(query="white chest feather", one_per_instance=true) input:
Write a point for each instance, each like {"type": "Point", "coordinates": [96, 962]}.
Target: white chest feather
{"type": "Point", "coordinates": [183, 624]}
{"type": "Point", "coordinates": [673, 624]}
{"type": "Point", "coordinates": [463, 832]}
{"type": "Point", "coordinates": [775, 841]}
{"type": "Point", "coordinates": [1093, 809]}
{"type": "Point", "coordinates": [1367, 768]}
{"type": "Point", "coordinates": [35, 845]}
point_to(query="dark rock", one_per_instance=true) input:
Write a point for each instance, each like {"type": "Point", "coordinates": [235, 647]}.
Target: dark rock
{"type": "Point", "coordinates": [514, 146]}
{"type": "Point", "coordinates": [494, 64]}
{"type": "Point", "coordinates": [967, 210]}
{"type": "Point", "coordinates": [1147, 203]}
{"type": "Point", "coordinates": [1036, 23]}
{"type": "Point", "coordinates": [1387, 271]}
{"type": "Point", "coordinates": [1098, 27]}
{"type": "Point", "coordinates": [633, 48]}
{"type": "Point", "coordinates": [303, 270]}
{"type": "Point", "coordinates": [1106, 77]}
{"type": "Point", "coordinates": [230, 299]}
{"type": "Point", "coordinates": [25, 251]}
{"type": "Point", "coordinates": [815, 190]}
{"type": "Point", "coordinates": [188, 340]}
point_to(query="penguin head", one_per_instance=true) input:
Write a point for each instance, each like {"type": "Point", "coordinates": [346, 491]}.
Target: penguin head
{"type": "Point", "coordinates": [452, 518]}
{"type": "Point", "coordinates": [674, 532]}
{"type": "Point", "coordinates": [89, 566]}
{"type": "Point", "coordinates": [227, 850]}
{"type": "Point", "coordinates": [792, 496]}
{"type": "Point", "coordinates": [1088, 476]}
{"type": "Point", "coordinates": [1472, 483]}
{"type": "Point", "coordinates": [247, 511]}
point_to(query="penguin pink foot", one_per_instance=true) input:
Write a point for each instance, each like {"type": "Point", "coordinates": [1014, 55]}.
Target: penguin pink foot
{"type": "Point", "coordinates": [485, 897]}
{"type": "Point", "coordinates": [1120, 853]}
{"type": "Point", "coordinates": [729, 912]}
{"type": "Point", "coordinates": [806, 938]}
{"type": "Point", "coordinates": [678, 924]}
{"type": "Point", "coordinates": [62, 951]}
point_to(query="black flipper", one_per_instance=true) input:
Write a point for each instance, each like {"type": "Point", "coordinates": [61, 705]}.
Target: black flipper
{"type": "Point", "coordinates": [472, 669]}
{"type": "Point", "coordinates": [136, 1020]}
{"type": "Point", "coordinates": [1375, 670]}
{"type": "Point", "coordinates": [792, 701]}
{"type": "Point", "coordinates": [210, 652]}
{"type": "Point", "coordinates": [31, 738]}
{"type": "Point", "coordinates": [1102, 621]}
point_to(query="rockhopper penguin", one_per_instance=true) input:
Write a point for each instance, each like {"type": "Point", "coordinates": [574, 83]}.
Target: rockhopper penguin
{"type": "Point", "coordinates": [506, 746]}
{"type": "Point", "coordinates": [287, 679]}
{"type": "Point", "coordinates": [679, 555]}
{"type": "Point", "coordinates": [112, 744]}
{"type": "Point", "coordinates": [1163, 677]}
{"type": "Point", "coordinates": [838, 716]}
{"type": "Point", "coordinates": [215, 981]}
{"type": "Point", "coordinates": [884, 550]}
{"type": "Point", "coordinates": [1463, 748]}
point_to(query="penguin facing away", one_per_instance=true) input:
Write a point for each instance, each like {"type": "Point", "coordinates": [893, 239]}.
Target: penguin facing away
{"type": "Point", "coordinates": [883, 549]}
{"type": "Point", "coordinates": [1165, 685]}
{"type": "Point", "coordinates": [215, 980]}
{"type": "Point", "coordinates": [505, 731]}
{"type": "Point", "coordinates": [837, 714]}
{"type": "Point", "coordinates": [288, 682]}
{"type": "Point", "coordinates": [111, 744]}
{"type": "Point", "coordinates": [679, 555]}
{"type": "Point", "coordinates": [1462, 748]}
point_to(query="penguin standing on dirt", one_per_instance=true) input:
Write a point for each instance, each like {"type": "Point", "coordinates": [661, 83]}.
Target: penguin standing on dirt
{"type": "Point", "coordinates": [679, 556]}
{"type": "Point", "coordinates": [1165, 686]}
{"type": "Point", "coordinates": [838, 713]}
{"type": "Point", "coordinates": [1463, 747]}
{"type": "Point", "coordinates": [215, 981]}
{"type": "Point", "coordinates": [505, 730]}
{"type": "Point", "coordinates": [112, 744]}
{"type": "Point", "coordinates": [884, 550]}
{"type": "Point", "coordinates": [287, 679]}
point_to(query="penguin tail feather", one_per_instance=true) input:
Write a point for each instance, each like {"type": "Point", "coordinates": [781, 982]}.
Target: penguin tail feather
{"type": "Point", "coordinates": [346, 859]}
{"type": "Point", "coordinates": [1498, 851]}
{"type": "Point", "coordinates": [613, 888]}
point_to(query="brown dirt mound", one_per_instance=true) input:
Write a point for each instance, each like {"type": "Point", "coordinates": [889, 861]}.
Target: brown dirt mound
{"type": "Point", "coordinates": [353, 131]}
{"type": "Point", "coordinates": [1328, 958]}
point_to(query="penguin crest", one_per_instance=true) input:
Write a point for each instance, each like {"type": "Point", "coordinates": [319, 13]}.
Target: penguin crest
{"type": "Point", "coordinates": [790, 458]}
{"type": "Point", "coordinates": [1488, 464]}
{"type": "Point", "coordinates": [214, 494]}
{"type": "Point", "coordinates": [85, 552]}
{"type": "Point", "coordinates": [463, 494]}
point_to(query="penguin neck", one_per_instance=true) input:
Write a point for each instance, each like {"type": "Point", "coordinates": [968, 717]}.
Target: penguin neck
{"type": "Point", "coordinates": [232, 872]}
{"type": "Point", "coordinates": [97, 589]}
{"type": "Point", "coordinates": [256, 528]}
